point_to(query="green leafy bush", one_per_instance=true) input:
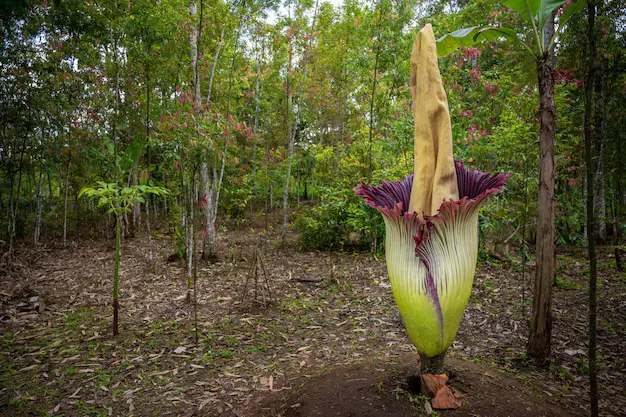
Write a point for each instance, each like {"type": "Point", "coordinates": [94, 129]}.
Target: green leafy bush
{"type": "Point", "coordinates": [339, 220]}
{"type": "Point", "coordinates": [235, 201]}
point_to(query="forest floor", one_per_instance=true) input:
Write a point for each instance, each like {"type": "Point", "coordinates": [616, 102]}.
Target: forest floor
{"type": "Point", "coordinates": [336, 347]}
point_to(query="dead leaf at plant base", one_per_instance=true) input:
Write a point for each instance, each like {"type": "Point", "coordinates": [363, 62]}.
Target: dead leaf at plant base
{"type": "Point", "coordinates": [443, 396]}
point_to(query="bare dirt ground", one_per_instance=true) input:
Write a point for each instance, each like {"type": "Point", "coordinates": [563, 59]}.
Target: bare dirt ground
{"type": "Point", "coordinates": [336, 347]}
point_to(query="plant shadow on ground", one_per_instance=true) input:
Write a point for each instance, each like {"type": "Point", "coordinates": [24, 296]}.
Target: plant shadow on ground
{"type": "Point", "coordinates": [323, 345]}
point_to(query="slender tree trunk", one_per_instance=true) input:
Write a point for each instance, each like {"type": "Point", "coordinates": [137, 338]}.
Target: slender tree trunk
{"type": "Point", "coordinates": [598, 143]}
{"type": "Point", "coordinates": [523, 248]}
{"type": "Point", "coordinates": [39, 206]}
{"type": "Point", "coordinates": [14, 203]}
{"type": "Point", "coordinates": [372, 97]}
{"type": "Point", "coordinates": [149, 233]}
{"type": "Point", "coordinates": [190, 238]}
{"type": "Point", "coordinates": [217, 54]}
{"type": "Point", "coordinates": [599, 188]}
{"type": "Point", "coordinates": [115, 145]}
{"type": "Point", "coordinates": [165, 210]}
{"type": "Point", "coordinates": [136, 206]}
{"type": "Point", "coordinates": [257, 100]}
{"type": "Point", "coordinates": [617, 250]}
{"type": "Point", "coordinates": [195, 39]}
{"type": "Point", "coordinates": [117, 108]}
{"type": "Point", "coordinates": [11, 174]}
{"type": "Point", "coordinates": [370, 169]}
{"type": "Point", "coordinates": [207, 184]}
{"type": "Point", "coordinates": [584, 195]}
{"type": "Point", "coordinates": [116, 272]}
{"type": "Point", "coordinates": [231, 72]}
{"type": "Point", "coordinates": [288, 86]}
{"type": "Point", "coordinates": [292, 137]}
{"type": "Point", "coordinates": [67, 186]}
{"type": "Point", "coordinates": [195, 294]}
{"type": "Point", "coordinates": [50, 196]}
{"type": "Point", "coordinates": [194, 49]}
{"type": "Point", "coordinates": [539, 341]}
{"type": "Point", "coordinates": [591, 223]}
{"type": "Point", "coordinates": [214, 183]}
{"type": "Point", "coordinates": [147, 179]}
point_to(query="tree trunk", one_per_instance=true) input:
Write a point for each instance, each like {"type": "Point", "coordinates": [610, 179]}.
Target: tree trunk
{"type": "Point", "coordinates": [165, 195]}
{"type": "Point", "coordinates": [372, 97]}
{"type": "Point", "coordinates": [589, 164]}
{"type": "Point", "coordinates": [616, 245]}
{"type": "Point", "coordinates": [115, 147]}
{"type": "Point", "coordinates": [195, 38]}
{"type": "Point", "coordinates": [257, 101]}
{"type": "Point", "coordinates": [292, 133]}
{"type": "Point", "coordinates": [67, 181]}
{"type": "Point", "coordinates": [194, 49]}
{"type": "Point", "coordinates": [370, 169]}
{"type": "Point", "coordinates": [208, 185]}
{"type": "Point", "coordinates": [50, 196]}
{"type": "Point", "coordinates": [147, 179]}
{"type": "Point", "coordinates": [598, 144]}
{"type": "Point", "coordinates": [39, 206]}
{"type": "Point", "coordinates": [116, 272]}
{"type": "Point", "coordinates": [541, 322]}
{"type": "Point", "coordinates": [207, 181]}
{"type": "Point", "coordinates": [210, 182]}
{"type": "Point", "coordinates": [136, 206]}
{"type": "Point", "coordinates": [217, 54]}
{"type": "Point", "coordinates": [149, 234]}
{"type": "Point", "coordinates": [190, 239]}
{"type": "Point", "coordinates": [14, 204]}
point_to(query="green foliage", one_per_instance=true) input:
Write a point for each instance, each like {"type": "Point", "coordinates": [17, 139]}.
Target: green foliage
{"type": "Point", "coordinates": [465, 37]}
{"type": "Point", "coordinates": [93, 102]}
{"type": "Point", "coordinates": [325, 225]}
{"type": "Point", "coordinates": [536, 12]}
{"type": "Point", "coordinates": [175, 225]}
{"type": "Point", "coordinates": [338, 220]}
{"type": "Point", "coordinates": [119, 200]}
{"type": "Point", "coordinates": [235, 201]}
{"type": "Point", "coordinates": [126, 159]}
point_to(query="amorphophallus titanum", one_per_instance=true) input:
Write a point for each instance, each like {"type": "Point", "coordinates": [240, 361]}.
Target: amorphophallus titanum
{"type": "Point", "coordinates": [431, 220]}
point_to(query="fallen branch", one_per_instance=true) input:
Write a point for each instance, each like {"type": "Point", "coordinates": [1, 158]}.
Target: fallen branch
{"type": "Point", "coordinates": [305, 279]}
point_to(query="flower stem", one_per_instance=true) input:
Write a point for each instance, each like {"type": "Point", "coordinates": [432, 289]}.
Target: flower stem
{"type": "Point", "coordinates": [433, 365]}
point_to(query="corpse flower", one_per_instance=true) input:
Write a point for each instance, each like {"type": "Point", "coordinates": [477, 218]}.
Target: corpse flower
{"type": "Point", "coordinates": [431, 220]}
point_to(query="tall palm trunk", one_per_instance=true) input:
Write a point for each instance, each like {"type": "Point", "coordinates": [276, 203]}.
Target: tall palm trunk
{"type": "Point", "coordinates": [539, 341]}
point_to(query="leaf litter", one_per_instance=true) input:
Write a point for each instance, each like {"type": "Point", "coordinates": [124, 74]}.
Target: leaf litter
{"type": "Point", "coordinates": [64, 357]}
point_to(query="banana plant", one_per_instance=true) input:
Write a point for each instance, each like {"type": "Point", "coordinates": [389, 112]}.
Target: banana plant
{"type": "Point", "coordinates": [118, 200]}
{"type": "Point", "coordinates": [539, 15]}
{"type": "Point", "coordinates": [431, 220]}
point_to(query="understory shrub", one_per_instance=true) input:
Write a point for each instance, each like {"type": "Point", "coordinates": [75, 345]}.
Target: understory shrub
{"type": "Point", "coordinates": [234, 201]}
{"type": "Point", "coordinates": [339, 220]}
